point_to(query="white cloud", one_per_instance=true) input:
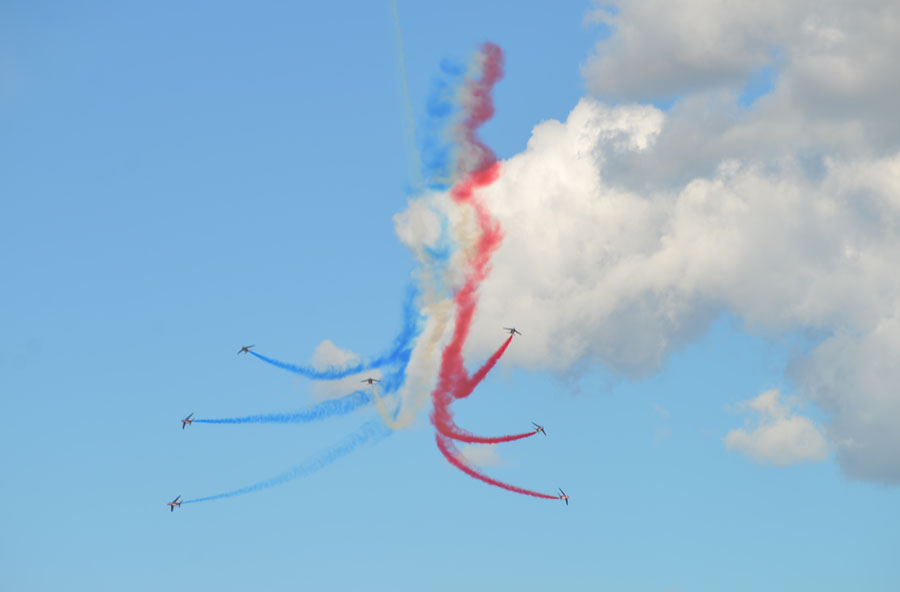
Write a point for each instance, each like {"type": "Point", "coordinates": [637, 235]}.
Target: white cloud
{"type": "Point", "coordinates": [835, 93]}
{"type": "Point", "coordinates": [480, 455]}
{"type": "Point", "coordinates": [328, 355]}
{"type": "Point", "coordinates": [778, 435]}
{"type": "Point", "coordinates": [854, 377]}
{"type": "Point", "coordinates": [663, 48]}
{"type": "Point", "coordinates": [627, 229]}
{"type": "Point", "coordinates": [599, 271]}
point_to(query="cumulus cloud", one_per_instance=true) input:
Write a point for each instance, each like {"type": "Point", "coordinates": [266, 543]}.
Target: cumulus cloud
{"type": "Point", "coordinates": [661, 49]}
{"type": "Point", "coordinates": [480, 455]}
{"type": "Point", "coordinates": [777, 435]}
{"type": "Point", "coordinates": [854, 377]}
{"type": "Point", "coordinates": [629, 229]}
{"type": "Point", "coordinates": [597, 270]}
{"type": "Point", "coordinates": [837, 80]}
{"type": "Point", "coordinates": [328, 355]}
{"type": "Point", "coordinates": [835, 56]}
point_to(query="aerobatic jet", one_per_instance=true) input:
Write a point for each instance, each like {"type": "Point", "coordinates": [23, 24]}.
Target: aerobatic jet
{"type": "Point", "coordinates": [370, 380]}
{"type": "Point", "coordinates": [174, 503]}
{"type": "Point", "coordinates": [245, 349]}
{"type": "Point", "coordinates": [187, 421]}
{"type": "Point", "coordinates": [563, 496]}
{"type": "Point", "coordinates": [512, 330]}
{"type": "Point", "coordinates": [538, 428]}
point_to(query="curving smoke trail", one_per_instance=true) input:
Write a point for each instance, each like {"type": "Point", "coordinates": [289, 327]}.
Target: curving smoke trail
{"type": "Point", "coordinates": [478, 104]}
{"type": "Point", "coordinates": [478, 167]}
{"type": "Point", "coordinates": [477, 236]}
{"type": "Point", "coordinates": [389, 419]}
{"type": "Point", "coordinates": [371, 431]}
{"type": "Point", "coordinates": [331, 408]}
{"type": "Point", "coordinates": [460, 386]}
{"type": "Point", "coordinates": [457, 433]}
{"type": "Point", "coordinates": [342, 406]}
{"type": "Point", "coordinates": [465, 389]}
{"type": "Point", "coordinates": [454, 381]}
{"type": "Point", "coordinates": [441, 107]}
{"type": "Point", "coordinates": [452, 455]}
{"type": "Point", "coordinates": [398, 353]}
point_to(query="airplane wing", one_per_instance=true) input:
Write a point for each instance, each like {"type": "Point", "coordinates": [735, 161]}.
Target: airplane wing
{"type": "Point", "coordinates": [189, 416]}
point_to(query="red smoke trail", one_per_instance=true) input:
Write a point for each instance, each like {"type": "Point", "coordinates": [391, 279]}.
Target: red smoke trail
{"type": "Point", "coordinates": [482, 372]}
{"type": "Point", "coordinates": [478, 168]}
{"type": "Point", "coordinates": [457, 386]}
{"type": "Point", "coordinates": [450, 453]}
{"type": "Point", "coordinates": [464, 436]}
{"type": "Point", "coordinates": [479, 108]}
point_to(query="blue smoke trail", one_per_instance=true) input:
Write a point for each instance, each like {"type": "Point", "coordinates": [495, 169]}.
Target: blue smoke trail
{"type": "Point", "coordinates": [399, 349]}
{"type": "Point", "coordinates": [348, 403]}
{"type": "Point", "coordinates": [341, 406]}
{"type": "Point", "coordinates": [441, 108]}
{"type": "Point", "coordinates": [372, 431]}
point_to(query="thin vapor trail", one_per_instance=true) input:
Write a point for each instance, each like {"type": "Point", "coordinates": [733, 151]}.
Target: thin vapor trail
{"type": "Point", "coordinates": [412, 153]}
{"type": "Point", "coordinates": [371, 431]}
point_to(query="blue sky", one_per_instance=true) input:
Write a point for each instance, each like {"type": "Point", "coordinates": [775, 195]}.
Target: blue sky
{"type": "Point", "coordinates": [180, 181]}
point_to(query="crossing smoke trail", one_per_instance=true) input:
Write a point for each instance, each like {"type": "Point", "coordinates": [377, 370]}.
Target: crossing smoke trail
{"type": "Point", "coordinates": [439, 266]}
{"type": "Point", "coordinates": [398, 353]}
{"type": "Point", "coordinates": [476, 235]}
{"type": "Point", "coordinates": [477, 165]}
{"type": "Point", "coordinates": [371, 431]}
{"type": "Point", "coordinates": [437, 148]}
{"type": "Point", "coordinates": [331, 408]}
{"type": "Point", "coordinates": [387, 417]}
{"type": "Point", "coordinates": [463, 387]}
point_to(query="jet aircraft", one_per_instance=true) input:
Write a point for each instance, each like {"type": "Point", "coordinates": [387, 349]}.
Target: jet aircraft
{"type": "Point", "coordinates": [538, 428]}
{"type": "Point", "coordinates": [187, 421]}
{"type": "Point", "coordinates": [512, 330]}
{"type": "Point", "coordinates": [370, 380]}
{"type": "Point", "coordinates": [172, 504]}
{"type": "Point", "coordinates": [563, 496]}
{"type": "Point", "coordinates": [245, 349]}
